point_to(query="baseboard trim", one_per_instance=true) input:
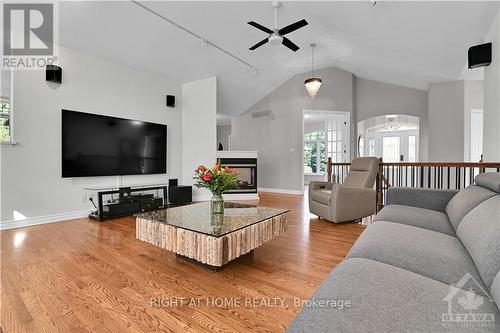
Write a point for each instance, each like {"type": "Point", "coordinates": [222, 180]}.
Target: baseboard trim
{"type": "Point", "coordinates": [241, 196]}
{"type": "Point", "coordinates": [277, 190]}
{"type": "Point", "coordinates": [12, 224]}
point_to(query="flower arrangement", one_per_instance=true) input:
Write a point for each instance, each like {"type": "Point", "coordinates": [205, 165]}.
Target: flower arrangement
{"type": "Point", "coordinates": [217, 180]}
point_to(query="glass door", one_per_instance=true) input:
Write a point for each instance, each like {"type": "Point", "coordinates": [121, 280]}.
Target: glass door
{"type": "Point", "coordinates": [391, 148]}
{"type": "Point", "coordinates": [338, 138]}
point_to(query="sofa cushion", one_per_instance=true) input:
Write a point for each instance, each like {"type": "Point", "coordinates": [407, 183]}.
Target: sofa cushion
{"type": "Point", "coordinates": [480, 234]}
{"type": "Point", "coordinates": [464, 201]}
{"type": "Point", "coordinates": [432, 254]}
{"type": "Point", "coordinates": [417, 217]}
{"type": "Point", "coordinates": [384, 299]}
{"type": "Point", "coordinates": [321, 195]}
{"type": "Point", "coordinates": [489, 180]}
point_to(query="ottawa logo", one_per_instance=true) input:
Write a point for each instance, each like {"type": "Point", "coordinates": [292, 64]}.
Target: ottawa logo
{"type": "Point", "coordinates": [469, 305]}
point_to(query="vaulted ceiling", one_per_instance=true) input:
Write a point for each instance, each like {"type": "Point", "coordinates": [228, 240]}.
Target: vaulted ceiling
{"type": "Point", "coordinates": [405, 43]}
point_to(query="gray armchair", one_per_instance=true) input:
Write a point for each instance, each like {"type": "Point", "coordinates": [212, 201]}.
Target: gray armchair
{"type": "Point", "coordinates": [354, 199]}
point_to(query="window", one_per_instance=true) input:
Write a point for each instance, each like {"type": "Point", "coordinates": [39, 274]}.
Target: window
{"type": "Point", "coordinates": [315, 153]}
{"type": "Point", "coordinates": [412, 148]}
{"type": "Point", "coordinates": [5, 107]}
{"type": "Point", "coordinates": [390, 147]}
{"type": "Point", "coordinates": [5, 120]}
{"type": "Point", "coordinates": [371, 147]}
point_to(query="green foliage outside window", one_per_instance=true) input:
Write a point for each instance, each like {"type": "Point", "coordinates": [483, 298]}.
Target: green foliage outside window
{"type": "Point", "coordinates": [4, 133]}
{"type": "Point", "coordinates": [313, 136]}
{"type": "Point", "coordinates": [5, 121]}
{"type": "Point", "coordinates": [4, 106]}
{"type": "Point", "coordinates": [315, 152]}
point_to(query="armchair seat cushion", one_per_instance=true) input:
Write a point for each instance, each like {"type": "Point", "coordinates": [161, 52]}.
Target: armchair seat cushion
{"type": "Point", "coordinates": [417, 217]}
{"type": "Point", "coordinates": [321, 195]}
{"type": "Point", "coordinates": [429, 253]}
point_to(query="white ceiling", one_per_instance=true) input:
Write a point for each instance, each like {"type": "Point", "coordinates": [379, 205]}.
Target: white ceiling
{"type": "Point", "coordinates": [405, 43]}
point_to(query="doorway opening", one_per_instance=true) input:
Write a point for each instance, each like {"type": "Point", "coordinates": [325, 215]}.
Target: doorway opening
{"type": "Point", "coordinates": [476, 135]}
{"type": "Point", "coordinates": [392, 137]}
{"type": "Point", "coordinates": [326, 134]}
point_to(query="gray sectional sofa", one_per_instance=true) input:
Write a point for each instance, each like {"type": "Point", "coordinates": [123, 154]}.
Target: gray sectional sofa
{"type": "Point", "coordinates": [429, 263]}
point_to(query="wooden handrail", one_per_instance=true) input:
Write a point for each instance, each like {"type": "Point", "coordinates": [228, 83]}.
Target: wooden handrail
{"type": "Point", "coordinates": [482, 165]}
{"type": "Point", "coordinates": [439, 175]}
{"type": "Point", "coordinates": [445, 164]}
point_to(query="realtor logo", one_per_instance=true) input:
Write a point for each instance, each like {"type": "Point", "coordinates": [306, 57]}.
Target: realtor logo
{"type": "Point", "coordinates": [28, 29]}
{"type": "Point", "coordinates": [468, 305]}
{"type": "Point", "coordinates": [29, 35]}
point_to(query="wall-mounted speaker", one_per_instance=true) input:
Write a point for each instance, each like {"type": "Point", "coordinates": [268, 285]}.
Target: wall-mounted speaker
{"type": "Point", "coordinates": [53, 74]}
{"type": "Point", "coordinates": [171, 101]}
{"type": "Point", "coordinates": [480, 55]}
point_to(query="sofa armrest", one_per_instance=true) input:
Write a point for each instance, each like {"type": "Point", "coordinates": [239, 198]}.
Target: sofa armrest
{"type": "Point", "coordinates": [316, 185]}
{"type": "Point", "coordinates": [420, 197]}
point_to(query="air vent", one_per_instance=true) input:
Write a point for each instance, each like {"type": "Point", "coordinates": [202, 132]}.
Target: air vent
{"type": "Point", "coordinates": [260, 114]}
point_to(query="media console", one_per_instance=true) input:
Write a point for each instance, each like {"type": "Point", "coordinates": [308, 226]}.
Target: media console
{"type": "Point", "coordinates": [115, 202]}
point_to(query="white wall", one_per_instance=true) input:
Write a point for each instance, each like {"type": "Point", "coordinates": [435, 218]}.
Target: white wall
{"type": "Point", "coordinates": [279, 140]}
{"type": "Point", "coordinates": [377, 98]}
{"type": "Point", "coordinates": [450, 105]}
{"type": "Point", "coordinates": [31, 170]}
{"type": "Point", "coordinates": [446, 121]}
{"type": "Point", "coordinates": [491, 129]}
{"type": "Point", "coordinates": [199, 110]}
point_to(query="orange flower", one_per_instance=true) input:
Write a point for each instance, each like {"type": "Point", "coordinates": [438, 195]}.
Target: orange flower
{"type": "Point", "coordinates": [202, 168]}
{"type": "Point", "coordinates": [216, 167]}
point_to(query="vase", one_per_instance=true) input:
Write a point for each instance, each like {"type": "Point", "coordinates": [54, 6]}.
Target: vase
{"type": "Point", "coordinates": [217, 204]}
{"type": "Point", "coordinates": [216, 221]}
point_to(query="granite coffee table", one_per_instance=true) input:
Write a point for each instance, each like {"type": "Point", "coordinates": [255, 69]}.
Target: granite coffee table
{"type": "Point", "coordinates": [211, 239]}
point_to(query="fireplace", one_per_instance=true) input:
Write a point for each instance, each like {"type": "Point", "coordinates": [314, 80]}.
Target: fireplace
{"type": "Point", "coordinates": [246, 168]}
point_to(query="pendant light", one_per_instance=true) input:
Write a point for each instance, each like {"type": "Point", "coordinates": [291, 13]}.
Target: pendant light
{"type": "Point", "coordinates": [313, 83]}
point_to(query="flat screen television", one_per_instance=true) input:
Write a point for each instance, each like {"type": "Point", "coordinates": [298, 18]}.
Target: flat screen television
{"type": "Point", "coordinates": [96, 145]}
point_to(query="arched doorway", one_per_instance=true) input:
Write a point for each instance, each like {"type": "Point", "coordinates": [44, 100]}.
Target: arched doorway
{"type": "Point", "coordinates": [395, 138]}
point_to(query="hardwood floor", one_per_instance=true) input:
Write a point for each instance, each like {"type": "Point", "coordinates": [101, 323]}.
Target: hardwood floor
{"type": "Point", "coordinates": [86, 276]}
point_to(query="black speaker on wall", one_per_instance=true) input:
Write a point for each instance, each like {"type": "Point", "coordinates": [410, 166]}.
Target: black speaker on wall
{"type": "Point", "coordinates": [53, 74]}
{"type": "Point", "coordinates": [171, 101]}
{"type": "Point", "coordinates": [480, 55]}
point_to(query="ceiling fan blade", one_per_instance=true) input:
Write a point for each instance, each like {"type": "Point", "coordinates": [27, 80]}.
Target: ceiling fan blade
{"type": "Point", "coordinates": [262, 42]}
{"type": "Point", "coordinates": [260, 27]}
{"type": "Point", "coordinates": [288, 43]}
{"type": "Point", "coordinates": [292, 27]}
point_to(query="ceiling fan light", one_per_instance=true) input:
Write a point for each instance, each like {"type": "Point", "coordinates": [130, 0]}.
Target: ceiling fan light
{"type": "Point", "coordinates": [312, 86]}
{"type": "Point", "coordinates": [275, 40]}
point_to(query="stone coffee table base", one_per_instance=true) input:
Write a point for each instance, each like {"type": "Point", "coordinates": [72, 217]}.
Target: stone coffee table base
{"type": "Point", "coordinates": [209, 250]}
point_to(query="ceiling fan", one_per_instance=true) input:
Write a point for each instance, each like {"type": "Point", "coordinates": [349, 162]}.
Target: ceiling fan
{"type": "Point", "coordinates": [276, 36]}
